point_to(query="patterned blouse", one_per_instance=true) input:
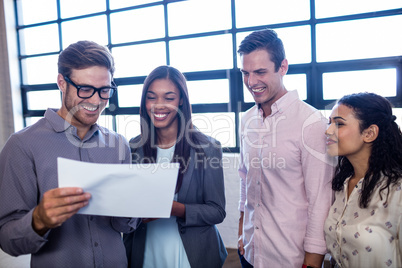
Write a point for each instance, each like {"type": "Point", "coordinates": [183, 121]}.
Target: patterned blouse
{"type": "Point", "coordinates": [369, 237]}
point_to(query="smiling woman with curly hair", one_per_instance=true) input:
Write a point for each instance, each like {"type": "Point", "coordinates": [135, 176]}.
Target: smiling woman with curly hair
{"type": "Point", "coordinates": [363, 227]}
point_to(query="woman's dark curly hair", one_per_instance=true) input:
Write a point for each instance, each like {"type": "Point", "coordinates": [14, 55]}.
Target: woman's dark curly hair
{"type": "Point", "coordinates": [385, 162]}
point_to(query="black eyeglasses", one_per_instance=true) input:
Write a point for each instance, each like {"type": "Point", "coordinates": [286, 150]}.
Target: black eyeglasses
{"type": "Point", "coordinates": [86, 92]}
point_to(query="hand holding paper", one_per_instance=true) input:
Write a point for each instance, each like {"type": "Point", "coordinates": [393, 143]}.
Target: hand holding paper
{"type": "Point", "coordinates": [57, 206]}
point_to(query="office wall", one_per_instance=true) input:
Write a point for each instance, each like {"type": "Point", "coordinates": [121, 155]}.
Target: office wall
{"type": "Point", "coordinates": [6, 111]}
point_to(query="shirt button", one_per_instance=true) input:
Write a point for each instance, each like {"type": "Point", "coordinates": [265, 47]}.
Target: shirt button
{"type": "Point", "coordinates": [96, 244]}
{"type": "Point", "coordinates": [258, 182]}
{"type": "Point", "coordinates": [258, 205]}
{"type": "Point", "coordinates": [257, 228]}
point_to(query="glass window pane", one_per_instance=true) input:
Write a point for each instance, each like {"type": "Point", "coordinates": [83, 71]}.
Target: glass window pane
{"type": "Point", "coordinates": [30, 12]}
{"type": "Point", "coordinates": [93, 28]}
{"type": "Point", "coordinates": [43, 99]}
{"type": "Point", "coordinates": [296, 82]}
{"type": "Point", "coordinates": [189, 17]}
{"type": "Point", "coordinates": [72, 8]}
{"type": "Point", "coordinates": [144, 23]}
{"type": "Point", "coordinates": [262, 12]}
{"type": "Point", "coordinates": [202, 53]}
{"type": "Point", "coordinates": [291, 81]}
{"type": "Point", "coordinates": [325, 8]}
{"type": "Point", "coordinates": [32, 120]}
{"type": "Point", "coordinates": [247, 95]}
{"type": "Point", "coordinates": [398, 113]}
{"type": "Point", "coordinates": [338, 84]}
{"type": "Point", "coordinates": [40, 39]}
{"type": "Point", "coordinates": [297, 43]}
{"type": "Point", "coordinates": [220, 126]}
{"type": "Point", "coordinates": [359, 39]}
{"type": "Point", "coordinates": [138, 60]}
{"type": "Point", "coordinates": [208, 91]}
{"type": "Point", "coordinates": [40, 70]}
{"type": "Point", "coordinates": [296, 40]}
{"type": "Point", "coordinates": [129, 96]}
{"type": "Point", "coordinates": [115, 4]}
{"type": "Point", "coordinates": [128, 125]}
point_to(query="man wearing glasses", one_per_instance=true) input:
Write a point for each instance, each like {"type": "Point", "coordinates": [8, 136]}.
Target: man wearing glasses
{"type": "Point", "coordinates": [37, 217]}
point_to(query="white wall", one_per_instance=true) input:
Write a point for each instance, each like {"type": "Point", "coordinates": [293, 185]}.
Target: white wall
{"type": "Point", "coordinates": [229, 227]}
{"type": "Point", "coordinates": [6, 261]}
{"type": "Point", "coordinates": [10, 101]}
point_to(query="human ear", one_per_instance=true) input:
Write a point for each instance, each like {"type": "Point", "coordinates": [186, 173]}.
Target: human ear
{"type": "Point", "coordinates": [61, 83]}
{"type": "Point", "coordinates": [284, 67]}
{"type": "Point", "coordinates": [370, 134]}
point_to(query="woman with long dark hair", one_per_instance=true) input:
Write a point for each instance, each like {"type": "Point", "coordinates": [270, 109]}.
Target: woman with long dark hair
{"type": "Point", "coordinates": [189, 238]}
{"type": "Point", "coordinates": [363, 228]}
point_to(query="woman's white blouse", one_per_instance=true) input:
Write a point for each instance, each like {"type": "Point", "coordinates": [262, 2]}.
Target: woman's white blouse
{"type": "Point", "coordinates": [369, 237]}
{"type": "Point", "coordinates": [163, 244]}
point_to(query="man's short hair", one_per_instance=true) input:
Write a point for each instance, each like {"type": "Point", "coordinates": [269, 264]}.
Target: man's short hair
{"type": "Point", "coordinates": [82, 55]}
{"type": "Point", "coordinates": [264, 39]}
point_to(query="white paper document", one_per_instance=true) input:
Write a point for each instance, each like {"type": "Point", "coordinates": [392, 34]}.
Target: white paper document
{"type": "Point", "coordinates": [122, 190]}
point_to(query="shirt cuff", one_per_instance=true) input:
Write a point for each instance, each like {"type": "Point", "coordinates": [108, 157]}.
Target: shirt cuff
{"type": "Point", "coordinates": [29, 231]}
{"type": "Point", "coordinates": [241, 206]}
{"type": "Point", "coordinates": [22, 238]}
{"type": "Point", "coordinates": [316, 246]}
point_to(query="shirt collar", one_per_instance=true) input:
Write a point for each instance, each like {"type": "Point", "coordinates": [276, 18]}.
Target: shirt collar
{"type": "Point", "coordinates": [60, 125]}
{"type": "Point", "coordinates": [282, 104]}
